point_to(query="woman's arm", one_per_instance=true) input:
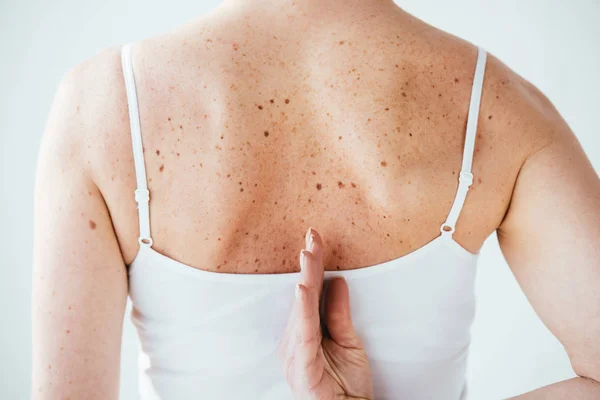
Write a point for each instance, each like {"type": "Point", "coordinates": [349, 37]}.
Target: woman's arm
{"type": "Point", "coordinates": [550, 237]}
{"type": "Point", "coordinates": [79, 277]}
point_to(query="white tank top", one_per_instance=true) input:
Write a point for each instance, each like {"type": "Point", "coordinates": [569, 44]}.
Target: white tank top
{"type": "Point", "coordinates": [210, 335]}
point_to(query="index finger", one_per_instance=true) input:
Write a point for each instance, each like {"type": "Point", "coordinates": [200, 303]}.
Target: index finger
{"type": "Point", "coordinates": [313, 270]}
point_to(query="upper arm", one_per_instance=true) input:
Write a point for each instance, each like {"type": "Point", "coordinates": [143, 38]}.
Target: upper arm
{"type": "Point", "coordinates": [550, 236]}
{"type": "Point", "coordinates": [79, 277]}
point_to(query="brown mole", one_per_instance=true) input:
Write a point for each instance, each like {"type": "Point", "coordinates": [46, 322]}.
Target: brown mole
{"type": "Point", "coordinates": [319, 186]}
{"type": "Point", "coordinates": [287, 101]}
{"type": "Point", "coordinates": [161, 168]}
{"type": "Point", "coordinates": [266, 133]}
{"type": "Point", "coordinates": [383, 164]}
{"type": "Point", "coordinates": [260, 107]}
{"type": "Point", "coordinates": [92, 224]}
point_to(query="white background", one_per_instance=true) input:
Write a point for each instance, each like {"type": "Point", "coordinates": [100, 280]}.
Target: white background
{"type": "Point", "coordinates": [555, 44]}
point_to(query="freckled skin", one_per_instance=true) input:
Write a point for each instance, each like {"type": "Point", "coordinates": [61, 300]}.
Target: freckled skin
{"type": "Point", "coordinates": [345, 118]}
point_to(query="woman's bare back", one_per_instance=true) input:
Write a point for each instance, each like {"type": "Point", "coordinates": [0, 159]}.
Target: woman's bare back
{"type": "Point", "coordinates": [255, 128]}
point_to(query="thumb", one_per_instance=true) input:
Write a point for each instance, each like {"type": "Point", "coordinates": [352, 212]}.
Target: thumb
{"type": "Point", "coordinates": [337, 314]}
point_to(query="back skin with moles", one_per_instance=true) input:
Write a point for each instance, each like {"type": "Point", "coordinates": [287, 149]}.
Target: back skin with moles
{"type": "Point", "coordinates": [262, 118]}
{"type": "Point", "coordinates": [255, 128]}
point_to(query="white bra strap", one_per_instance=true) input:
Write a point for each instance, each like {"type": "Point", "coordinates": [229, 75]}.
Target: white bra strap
{"type": "Point", "coordinates": [465, 178]}
{"type": "Point", "coordinates": [141, 193]}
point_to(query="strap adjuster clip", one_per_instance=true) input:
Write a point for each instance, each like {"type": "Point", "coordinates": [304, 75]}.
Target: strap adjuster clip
{"type": "Point", "coordinates": [142, 195]}
{"type": "Point", "coordinates": [467, 177]}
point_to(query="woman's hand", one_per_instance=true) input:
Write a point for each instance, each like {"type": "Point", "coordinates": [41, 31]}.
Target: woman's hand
{"type": "Point", "coordinates": [323, 362]}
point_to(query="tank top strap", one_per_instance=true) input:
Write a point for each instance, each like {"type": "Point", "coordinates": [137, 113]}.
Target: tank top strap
{"type": "Point", "coordinates": [465, 178]}
{"type": "Point", "coordinates": [141, 193]}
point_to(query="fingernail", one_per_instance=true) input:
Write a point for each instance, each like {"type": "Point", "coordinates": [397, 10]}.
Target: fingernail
{"type": "Point", "coordinates": [307, 237]}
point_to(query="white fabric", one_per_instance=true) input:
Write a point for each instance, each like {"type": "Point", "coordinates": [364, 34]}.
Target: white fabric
{"type": "Point", "coordinates": [141, 194]}
{"type": "Point", "coordinates": [466, 177]}
{"type": "Point", "coordinates": [214, 335]}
